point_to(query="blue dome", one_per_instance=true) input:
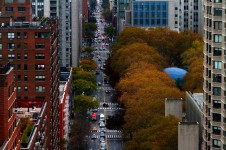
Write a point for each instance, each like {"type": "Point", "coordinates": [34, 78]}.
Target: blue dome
{"type": "Point", "coordinates": [175, 73]}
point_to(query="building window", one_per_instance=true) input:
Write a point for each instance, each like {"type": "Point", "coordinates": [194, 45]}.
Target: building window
{"type": "Point", "coordinates": [42, 35]}
{"type": "Point", "coordinates": [9, 9]}
{"type": "Point", "coordinates": [18, 35]}
{"type": "Point", "coordinates": [39, 56]}
{"type": "Point", "coordinates": [25, 67]}
{"type": "Point", "coordinates": [22, 9]}
{"type": "Point", "coordinates": [25, 35]}
{"type": "Point", "coordinates": [216, 104]}
{"type": "Point", "coordinates": [216, 130]}
{"type": "Point", "coordinates": [40, 89]}
{"type": "Point", "coordinates": [18, 89]}
{"type": "Point", "coordinates": [39, 67]}
{"type": "Point", "coordinates": [39, 78]}
{"type": "Point", "coordinates": [217, 11]}
{"type": "Point", "coordinates": [0, 56]}
{"type": "Point", "coordinates": [217, 38]}
{"type": "Point", "coordinates": [11, 56]}
{"type": "Point", "coordinates": [40, 46]}
{"type": "Point", "coordinates": [217, 91]}
{"type": "Point", "coordinates": [216, 143]}
{"type": "Point", "coordinates": [18, 56]}
{"type": "Point", "coordinates": [11, 35]}
{"type": "Point", "coordinates": [217, 78]}
{"type": "Point", "coordinates": [217, 65]}
{"type": "Point", "coordinates": [217, 1]}
{"type": "Point", "coordinates": [25, 88]}
{"type": "Point", "coordinates": [217, 51]}
{"type": "Point", "coordinates": [11, 46]}
{"type": "Point", "coordinates": [18, 67]}
{"type": "Point", "coordinates": [0, 35]}
{"type": "Point", "coordinates": [217, 25]}
{"type": "Point", "coordinates": [0, 46]}
{"type": "Point", "coordinates": [25, 56]}
{"type": "Point", "coordinates": [25, 78]}
{"type": "Point", "coordinates": [18, 77]}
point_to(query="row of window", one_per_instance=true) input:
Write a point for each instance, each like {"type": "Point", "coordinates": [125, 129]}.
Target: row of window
{"type": "Point", "coordinates": [20, 9]}
{"type": "Point", "coordinates": [38, 67]}
{"type": "Point", "coordinates": [37, 78]}
{"type": "Point", "coordinates": [38, 35]}
{"type": "Point", "coordinates": [37, 88]}
{"type": "Point", "coordinates": [12, 56]}
{"type": "Point", "coordinates": [11, 46]}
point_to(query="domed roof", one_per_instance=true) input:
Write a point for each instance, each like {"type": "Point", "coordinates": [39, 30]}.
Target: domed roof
{"type": "Point", "coordinates": [175, 73]}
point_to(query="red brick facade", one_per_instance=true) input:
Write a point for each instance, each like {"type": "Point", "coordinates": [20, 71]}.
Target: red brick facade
{"type": "Point", "coordinates": [9, 126]}
{"type": "Point", "coordinates": [17, 10]}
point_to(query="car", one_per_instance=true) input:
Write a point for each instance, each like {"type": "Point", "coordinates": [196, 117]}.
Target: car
{"type": "Point", "coordinates": [93, 136]}
{"type": "Point", "coordinates": [102, 139]}
{"type": "Point", "coordinates": [102, 124]}
{"type": "Point", "coordinates": [95, 110]}
{"type": "Point", "coordinates": [103, 144]}
{"type": "Point", "coordinates": [94, 129]}
{"type": "Point", "coordinates": [102, 129]}
{"type": "Point", "coordinates": [107, 91]}
{"type": "Point", "coordinates": [97, 72]}
{"type": "Point", "coordinates": [99, 83]}
{"type": "Point", "coordinates": [101, 121]}
{"type": "Point", "coordinates": [102, 134]}
{"type": "Point", "coordinates": [101, 68]}
{"type": "Point", "coordinates": [99, 59]}
{"type": "Point", "coordinates": [105, 105]}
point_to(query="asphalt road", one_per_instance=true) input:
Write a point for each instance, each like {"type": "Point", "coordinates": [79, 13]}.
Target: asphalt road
{"type": "Point", "coordinates": [113, 138]}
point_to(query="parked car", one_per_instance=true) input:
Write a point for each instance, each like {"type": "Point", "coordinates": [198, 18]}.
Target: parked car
{"type": "Point", "coordinates": [102, 134]}
{"type": "Point", "coordinates": [99, 83]}
{"type": "Point", "coordinates": [105, 105]}
{"type": "Point", "coordinates": [93, 136]}
{"type": "Point", "coordinates": [102, 124]}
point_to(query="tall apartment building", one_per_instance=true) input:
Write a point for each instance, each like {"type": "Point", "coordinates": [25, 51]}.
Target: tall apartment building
{"type": "Point", "coordinates": [191, 15]}
{"type": "Point", "coordinates": [32, 47]}
{"type": "Point", "coordinates": [214, 116]}
{"type": "Point", "coordinates": [9, 125]}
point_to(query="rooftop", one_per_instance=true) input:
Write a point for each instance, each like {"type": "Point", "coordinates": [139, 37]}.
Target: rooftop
{"type": "Point", "coordinates": [40, 23]}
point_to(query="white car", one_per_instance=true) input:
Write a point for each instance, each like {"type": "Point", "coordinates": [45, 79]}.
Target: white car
{"type": "Point", "coordinates": [102, 124]}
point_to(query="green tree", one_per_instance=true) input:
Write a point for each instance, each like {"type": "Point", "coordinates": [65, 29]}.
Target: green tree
{"type": "Point", "coordinates": [110, 31]}
{"type": "Point", "coordinates": [84, 103]}
{"type": "Point", "coordinates": [85, 75]}
{"type": "Point", "coordinates": [107, 14]}
{"type": "Point", "coordinates": [82, 86]}
{"type": "Point", "coordinates": [90, 29]}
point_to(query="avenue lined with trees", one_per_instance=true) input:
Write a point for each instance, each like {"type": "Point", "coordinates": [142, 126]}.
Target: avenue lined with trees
{"type": "Point", "coordinates": [136, 70]}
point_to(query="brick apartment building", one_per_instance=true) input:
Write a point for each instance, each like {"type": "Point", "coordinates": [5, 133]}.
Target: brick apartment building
{"type": "Point", "coordinates": [10, 131]}
{"type": "Point", "coordinates": [32, 48]}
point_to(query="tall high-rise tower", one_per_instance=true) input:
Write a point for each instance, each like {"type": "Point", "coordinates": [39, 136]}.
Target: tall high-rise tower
{"type": "Point", "coordinates": [214, 114]}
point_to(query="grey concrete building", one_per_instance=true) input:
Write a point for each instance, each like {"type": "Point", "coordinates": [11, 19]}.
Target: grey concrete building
{"type": "Point", "coordinates": [214, 108]}
{"type": "Point", "coordinates": [194, 107]}
{"type": "Point", "coordinates": [188, 136]}
{"type": "Point", "coordinates": [173, 107]}
{"type": "Point", "coordinates": [191, 15]}
{"type": "Point", "coordinates": [70, 25]}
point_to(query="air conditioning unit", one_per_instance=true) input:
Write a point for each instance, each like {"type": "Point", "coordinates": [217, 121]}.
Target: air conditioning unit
{"type": "Point", "coordinates": [15, 110]}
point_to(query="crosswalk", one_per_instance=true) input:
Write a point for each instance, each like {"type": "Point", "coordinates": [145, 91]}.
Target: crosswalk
{"type": "Point", "coordinates": [110, 136]}
{"type": "Point", "coordinates": [109, 108]}
{"type": "Point", "coordinates": [119, 131]}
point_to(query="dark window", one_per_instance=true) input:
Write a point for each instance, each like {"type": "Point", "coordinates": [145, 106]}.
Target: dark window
{"type": "Point", "coordinates": [9, 9]}
{"type": "Point", "coordinates": [39, 46]}
{"type": "Point", "coordinates": [216, 104]}
{"type": "Point", "coordinates": [25, 67]}
{"type": "Point", "coordinates": [217, 91]}
{"type": "Point", "coordinates": [39, 67]}
{"type": "Point", "coordinates": [39, 56]}
{"type": "Point", "coordinates": [216, 117]}
{"type": "Point", "coordinates": [217, 78]}
{"type": "Point", "coordinates": [21, 9]}
{"type": "Point", "coordinates": [216, 130]}
{"type": "Point", "coordinates": [25, 78]}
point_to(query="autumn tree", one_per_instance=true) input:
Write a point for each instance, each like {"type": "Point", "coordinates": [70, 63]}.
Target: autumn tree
{"type": "Point", "coordinates": [135, 52]}
{"type": "Point", "coordinates": [130, 35]}
{"type": "Point", "coordinates": [162, 134]}
{"type": "Point", "coordinates": [88, 64]}
{"type": "Point", "coordinates": [193, 57]}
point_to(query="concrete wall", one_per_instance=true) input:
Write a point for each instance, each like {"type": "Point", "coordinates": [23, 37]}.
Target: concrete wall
{"type": "Point", "coordinates": [188, 136]}
{"type": "Point", "coordinates": [75, 29]}
{"type": "Point", "coordinates": [173, 107]}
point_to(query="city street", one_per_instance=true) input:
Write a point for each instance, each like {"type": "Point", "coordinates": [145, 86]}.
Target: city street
{"type": "Point", "coordinates": [100, 137]}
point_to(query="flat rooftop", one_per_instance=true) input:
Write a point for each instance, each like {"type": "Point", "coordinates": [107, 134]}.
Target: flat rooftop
{"type": "Point", "coordinates": [40, 23]}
